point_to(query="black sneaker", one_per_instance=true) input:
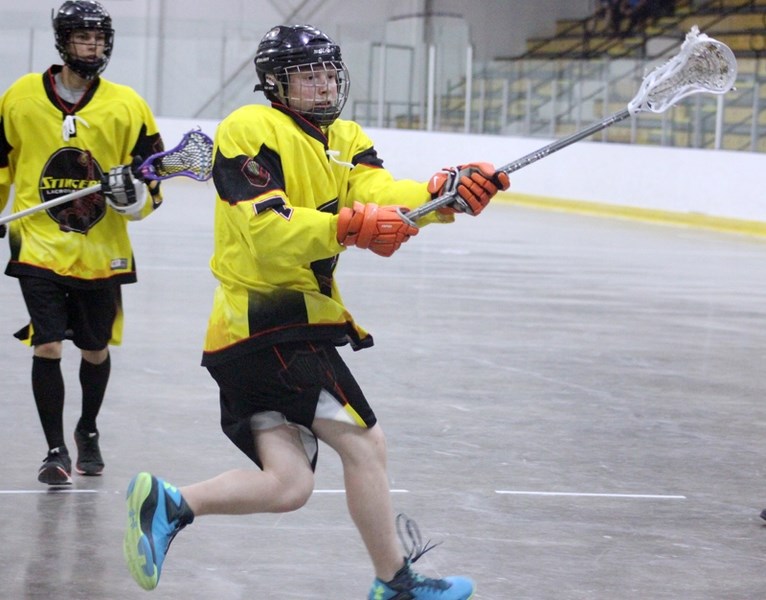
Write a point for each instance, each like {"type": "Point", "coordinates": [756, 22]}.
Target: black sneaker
{"type": "Point", "coordinates": [89, 461]}
{"type": "Point", "coordinates": [57, 468]}
{"type": "Point", "coordinates": [763, 514]}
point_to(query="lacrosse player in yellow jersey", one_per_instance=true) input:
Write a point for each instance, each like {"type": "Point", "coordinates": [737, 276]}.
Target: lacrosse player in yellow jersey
{"type": "Point", "coordinates": [296, 186]}
{"type": "Point", "coordinates": [60, 131]}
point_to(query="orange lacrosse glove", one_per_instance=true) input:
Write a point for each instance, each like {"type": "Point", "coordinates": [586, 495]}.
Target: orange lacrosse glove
{"type": "Point", "coordinates": [373, 227]}
{"type": "Point", "coordinates": [473, 185]}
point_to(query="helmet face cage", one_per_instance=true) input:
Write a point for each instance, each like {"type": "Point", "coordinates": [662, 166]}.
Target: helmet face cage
{"type": "Point", "coordinates": [317, 91]}
{"type": "Point", "coordinates": [305, 56]}
{"type": "Point", "coordinates": [83, 15]}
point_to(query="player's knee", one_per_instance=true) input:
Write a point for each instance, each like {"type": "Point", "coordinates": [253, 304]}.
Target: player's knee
{"type": "Point", "coordinates": [95, 357]}
{"type": "Point", "coordinates": [295, 492]}
{"type": "Point", "coordinates": [366, 452]}
{"type": "Point", "coordinates": [374, 444]}
{"type": "Point", "coordinates": [50, 350]}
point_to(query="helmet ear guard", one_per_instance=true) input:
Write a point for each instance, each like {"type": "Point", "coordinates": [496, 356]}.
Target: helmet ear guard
{"type": "Point", "coordinates": [79, 15]}
{"type": "Point", "coordinates": [268, 85]}
{"type": "Point", "coordinates": [286, 50]}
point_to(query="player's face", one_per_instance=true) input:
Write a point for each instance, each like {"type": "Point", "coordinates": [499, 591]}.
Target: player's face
{"type": "Point", "coordinates": [313, 87]}
{"type": "Point", "coordinates": [87, 44]}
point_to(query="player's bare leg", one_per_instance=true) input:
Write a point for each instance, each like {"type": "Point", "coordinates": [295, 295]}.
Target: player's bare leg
{"type": "Point", "coordinates": [157, 511]}
{"type": "Point", "coordinates": [363, 454]}
{"type": "Point", "coordinates": [285, 483]}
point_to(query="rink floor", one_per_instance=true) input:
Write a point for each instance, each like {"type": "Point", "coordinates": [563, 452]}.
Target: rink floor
{"type": "Point", "coordinates": [574, 407]}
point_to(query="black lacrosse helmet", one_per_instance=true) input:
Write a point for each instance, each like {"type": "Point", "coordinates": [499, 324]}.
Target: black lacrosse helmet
{"type": "Point", "coordinates": [77, 15]}
{"type": "Point", "coordinates": [290, 48]}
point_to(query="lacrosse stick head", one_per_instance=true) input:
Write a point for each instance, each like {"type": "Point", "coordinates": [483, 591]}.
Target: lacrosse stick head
{"type": "Point", "coordinates": [702, 65]}
{"type": "Point", "coordinates": [192, 157]}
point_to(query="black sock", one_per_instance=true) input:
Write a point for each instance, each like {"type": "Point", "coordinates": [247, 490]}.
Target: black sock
{"type": "Point", "coordinates": [93, 379]}
{"type": "Point", "coordinates": [48, 390]}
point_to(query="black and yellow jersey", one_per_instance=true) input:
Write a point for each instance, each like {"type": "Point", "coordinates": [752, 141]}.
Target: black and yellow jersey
{"type": "Point", "coordinates": [280, 182]}
{"type": "Point", "coordinates": [49, 147]}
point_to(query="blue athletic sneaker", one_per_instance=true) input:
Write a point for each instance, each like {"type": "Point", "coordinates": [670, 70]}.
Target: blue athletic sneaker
{"type": "Point", "coordinates": [409, 585]}
{"type": "Point", "coordinates": [156, 513]}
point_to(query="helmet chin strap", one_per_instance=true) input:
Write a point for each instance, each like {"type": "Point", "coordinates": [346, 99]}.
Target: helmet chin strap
{"type": "Point", "coordinates": [87, 70]}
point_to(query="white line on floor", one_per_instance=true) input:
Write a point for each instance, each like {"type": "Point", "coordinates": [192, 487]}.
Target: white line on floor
{"type": "Point", "coordinates": [590, 495]}
{"type": "Point", "coordinates": [344, 491]}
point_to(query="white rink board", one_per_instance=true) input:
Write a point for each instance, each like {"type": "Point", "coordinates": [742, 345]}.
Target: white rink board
{"type": "Point", "coordinates": [713, 183]}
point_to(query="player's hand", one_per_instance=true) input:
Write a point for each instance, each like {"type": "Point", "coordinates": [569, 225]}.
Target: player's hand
{"type": "Point", "coordinates": [141, 175]}
{"type": "Point", "coordinates": [373, 227]}
{"type": "Point", "coordinates": [3, 230]}
{"type": "Point", "coordinates": [473, 186]}
{"type": "Point", "coordinates": [123, 191]}
{"type": "Point", "coordinates": [135, 167]}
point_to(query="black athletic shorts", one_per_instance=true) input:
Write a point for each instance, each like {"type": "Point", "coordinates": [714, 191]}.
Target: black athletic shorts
{"type": "Point", "coordinates": [299, 380]}
{"type": "Point", "coordinates": [59, 312]}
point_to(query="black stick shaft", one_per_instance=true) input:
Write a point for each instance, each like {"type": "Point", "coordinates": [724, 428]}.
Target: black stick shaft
{"type": "Point", "coordinates": [564, 142]}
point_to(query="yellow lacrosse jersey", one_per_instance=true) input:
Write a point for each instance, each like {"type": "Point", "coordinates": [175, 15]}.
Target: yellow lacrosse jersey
{"type": "Point", "coordinates": [49, 147]}
{"type": "Point", "coordinates": [280, 182]}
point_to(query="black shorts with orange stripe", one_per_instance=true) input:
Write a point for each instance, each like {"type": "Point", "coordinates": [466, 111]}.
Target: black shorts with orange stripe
{"type": "Point", "coordinates": [300, 380]}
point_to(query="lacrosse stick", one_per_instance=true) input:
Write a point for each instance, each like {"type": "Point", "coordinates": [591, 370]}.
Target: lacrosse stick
{"type": "Point", "coordinates": [702, 65]}
{"type": "Point", "coordinates": [192, 157]}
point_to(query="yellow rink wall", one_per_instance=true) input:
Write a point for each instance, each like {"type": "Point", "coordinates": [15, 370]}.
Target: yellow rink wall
{"type": "Point", "coordinates": [663, 217]}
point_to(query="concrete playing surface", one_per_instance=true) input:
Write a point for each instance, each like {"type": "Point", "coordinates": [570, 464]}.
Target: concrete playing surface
{"type": "Point", "coordinates": [575, 407]}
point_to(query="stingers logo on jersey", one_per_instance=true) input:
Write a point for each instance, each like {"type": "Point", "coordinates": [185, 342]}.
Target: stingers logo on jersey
{"type": "Point", "coordinates": [55, 183]}
{"type": "Point", "coordinates": [69, 170]}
